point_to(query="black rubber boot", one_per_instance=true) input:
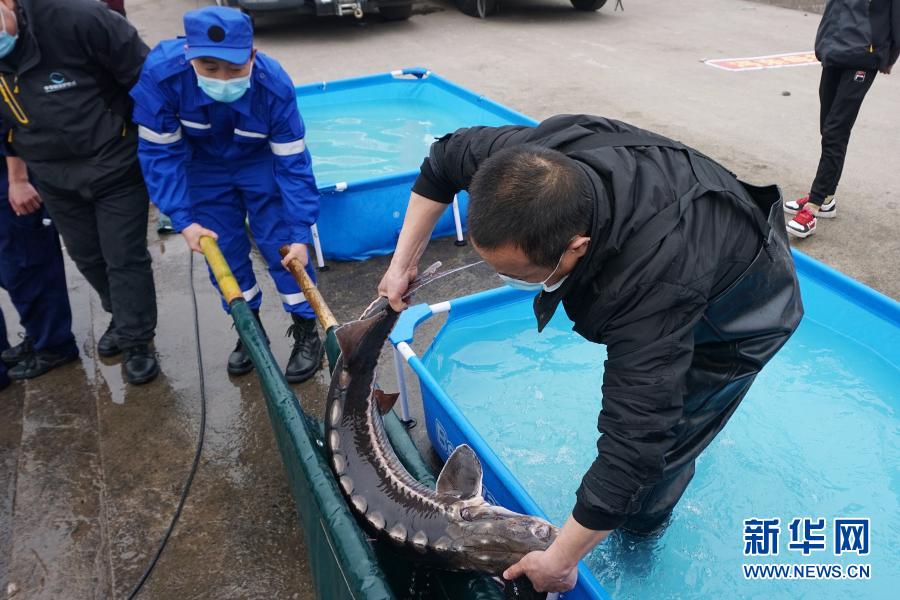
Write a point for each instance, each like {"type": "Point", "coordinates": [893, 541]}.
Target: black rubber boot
{"type": "Point", "coordinates": [239, 362]}
{"type": "Point", "coordinates": [306, 356]}
{"type": "Point", "coordinates": [108, 344]}
{"type": "Point", "coordinates": [140, 364]}
{"type": "Point", "coordinates": [36, 363]}
{"type": "Point", "coordinates": [16, 354]}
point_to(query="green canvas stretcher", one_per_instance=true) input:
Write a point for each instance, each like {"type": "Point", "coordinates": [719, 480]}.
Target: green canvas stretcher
{"type": "Point", "coordinates": [344, 563]}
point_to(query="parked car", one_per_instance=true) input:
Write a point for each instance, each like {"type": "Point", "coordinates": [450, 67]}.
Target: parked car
{"type": "Point", "coordinates": [483, 8]}
{"type": "Point", "coordinates": [390, 10]}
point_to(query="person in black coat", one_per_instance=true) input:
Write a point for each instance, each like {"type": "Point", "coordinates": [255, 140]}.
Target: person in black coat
{"type": "Point", "coordinates": [654, 250]}
{"type": "Point", "coordinates": [856, 40]}
{"type": "Point", "coordinates": [65, 70]}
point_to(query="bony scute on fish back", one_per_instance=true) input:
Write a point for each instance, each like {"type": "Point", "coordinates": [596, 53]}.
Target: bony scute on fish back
{"type": "Point", "coordinates": [420, 541]}
{"type": "Point", "coordinates": [398, 532]}
{"type": "Point", "coordinates": [339, 463]}
{"type": "Point", "coordinates": [359, 503]}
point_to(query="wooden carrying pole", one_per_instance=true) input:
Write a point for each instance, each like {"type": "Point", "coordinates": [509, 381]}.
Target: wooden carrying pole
{"type": "Point", "coordinates": [311, 292]}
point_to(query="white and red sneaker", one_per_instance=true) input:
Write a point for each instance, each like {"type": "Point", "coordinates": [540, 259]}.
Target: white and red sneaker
{"type": "Point", "coordinates": [828, 209]}
{"type": "Point", "coordinates": [802, 225]}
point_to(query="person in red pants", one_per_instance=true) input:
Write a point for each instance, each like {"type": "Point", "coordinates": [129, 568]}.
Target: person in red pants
{"type": "Point", "coordinates": [116, 5]}
{"type": "Point", "coordinates": [856, 40]}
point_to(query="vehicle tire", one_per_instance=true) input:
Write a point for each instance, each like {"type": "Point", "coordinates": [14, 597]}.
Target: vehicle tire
{"type": "Point", "coordinates": [396, 13]}
{"type": "Point", "coordinates": [478, 8]}
{"type": "Point", "coordinates": [588, 4]}
{"type": "Point", "coordinates": [252, 16]}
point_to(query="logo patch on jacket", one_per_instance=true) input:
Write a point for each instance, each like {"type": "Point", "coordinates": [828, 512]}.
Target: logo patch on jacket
{"type": "Point", "coordinates": [859, 77]}
{"type": "Point", "coordinates": [58, 82]}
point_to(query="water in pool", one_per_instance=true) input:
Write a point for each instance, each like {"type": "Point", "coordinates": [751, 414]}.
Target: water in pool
{"type": "Point", "coordinates": [350, 141]}
{"type": "Point", "coordinates": [825, 445]}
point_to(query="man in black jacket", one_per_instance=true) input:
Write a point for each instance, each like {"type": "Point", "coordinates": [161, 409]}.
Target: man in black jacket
{"type": "Point", "coordinates": [65, 70]}
{"type": "Point", "coordinates": [654, 250]}
{"type": "Point", "coordinates": [856, 39]}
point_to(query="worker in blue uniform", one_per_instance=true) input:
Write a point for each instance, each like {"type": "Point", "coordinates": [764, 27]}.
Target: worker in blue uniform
{"type": "Point", "coordinates": [221, 142]}
{"type": "Point", "coordinates": [33, 273]}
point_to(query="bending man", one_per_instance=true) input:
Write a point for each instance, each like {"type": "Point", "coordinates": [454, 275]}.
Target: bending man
{"type": "Point", "coordinates": [654, 250]}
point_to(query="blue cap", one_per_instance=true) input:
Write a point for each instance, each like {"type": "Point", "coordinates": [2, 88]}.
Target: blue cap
{"type": "Point", "coordinates": [218, 32]}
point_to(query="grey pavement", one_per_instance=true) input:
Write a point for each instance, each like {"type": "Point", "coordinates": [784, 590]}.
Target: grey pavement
{"type": "Point", "coordinates": [91, 469]}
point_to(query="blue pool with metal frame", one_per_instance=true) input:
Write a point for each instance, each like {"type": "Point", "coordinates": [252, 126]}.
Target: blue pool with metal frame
{"type": "Point", "coordinates": [368, 137]}
{"type": "Point", "coordinates": [817, 437]}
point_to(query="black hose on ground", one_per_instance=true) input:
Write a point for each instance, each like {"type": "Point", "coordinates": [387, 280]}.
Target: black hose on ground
{"type": "Point", "coordinates": [190, 479]}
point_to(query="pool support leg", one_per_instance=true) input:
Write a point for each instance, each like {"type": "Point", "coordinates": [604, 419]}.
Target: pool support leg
{"type": "Point", "coordinates": [457, 220]}
{"type": "Point", "coordinates": [317, 244]}
{"type": "Point", "coordinates": [407, 421]}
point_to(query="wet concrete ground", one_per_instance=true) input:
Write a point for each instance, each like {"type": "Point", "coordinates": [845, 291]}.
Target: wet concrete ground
{"type": "Point", "coordinates": [90, 469]}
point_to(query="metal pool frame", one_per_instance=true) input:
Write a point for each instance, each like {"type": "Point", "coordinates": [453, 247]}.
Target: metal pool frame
{"type": "Point", "coordinates": [393, 189]}
{"type": "Point", "coordinates": [448, 426]}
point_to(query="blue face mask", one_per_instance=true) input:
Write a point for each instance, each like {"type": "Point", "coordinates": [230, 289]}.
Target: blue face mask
{"type": "Point", "coordinates": [224, 90]}
{"type": "Point", "coordinates": [7, 41]}
{"type": "Point", "coordinates": [535, 286]}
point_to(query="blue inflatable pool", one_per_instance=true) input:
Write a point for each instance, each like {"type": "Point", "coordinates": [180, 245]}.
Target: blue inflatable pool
{"type": "Point", "coordinates": [818, 438]}
{"type": "Point", "coordinates": [367, 137]}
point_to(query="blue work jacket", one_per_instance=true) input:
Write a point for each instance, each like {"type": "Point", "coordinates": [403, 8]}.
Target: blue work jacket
{"type": "Point", "coordinates": [178, 123]}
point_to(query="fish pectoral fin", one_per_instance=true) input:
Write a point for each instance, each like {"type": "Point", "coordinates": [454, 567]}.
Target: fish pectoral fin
{"type": "Point", "coordinates": [350, 335]}
{"type": "Point", "coordinates": [461, 475]}
{"type": "Point", "coordinates": [385, 401]}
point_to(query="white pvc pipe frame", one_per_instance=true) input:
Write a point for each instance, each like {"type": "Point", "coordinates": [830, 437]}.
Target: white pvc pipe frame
{"type": "Point", "coordinates": [320, 259]}
{"type": "Point", "coordinates": [403, 353]}
{"type": "Point", "coordinates": [317, 244]}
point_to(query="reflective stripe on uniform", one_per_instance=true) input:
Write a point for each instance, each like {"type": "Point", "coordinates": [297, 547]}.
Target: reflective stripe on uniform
{"type": "Point", "coordinates": [159, 138]}
{"type": "Point", "coordinates": [288, 148]}
{"type": "Point", "coordinates": [195, 125]}
{"type": "Point", "coordinates": [292, 299]}
{"type": "Point", "coordinates": [10, 98]}
{"type": "Point", "coordinates": [250, 134]}
{"type": "Point", "coordinates": [251, 293]}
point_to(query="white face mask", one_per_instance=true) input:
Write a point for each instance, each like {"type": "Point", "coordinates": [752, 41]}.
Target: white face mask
{"type": "Point", "coordinates": [528, 286]}
{"type": "Point", "coordinates": [555, 286]}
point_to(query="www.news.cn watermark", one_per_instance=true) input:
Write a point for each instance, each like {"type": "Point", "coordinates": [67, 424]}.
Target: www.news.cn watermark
{"type": "Point", "coordinates": [848, 537]}
{"type": "Point", "coordinates": [829, 571]}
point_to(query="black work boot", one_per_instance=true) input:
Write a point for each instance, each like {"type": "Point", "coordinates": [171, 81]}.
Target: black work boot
{"type": "Point", "coordinates": [37, 362]}
{"type": "Point", "coordinates": [14, 355]}
{"type": "Point", "coordinates": [306, 356]}
{"type": "Point", "coordinates": [140, 364]}
{"type": "Point", "coordinates": [108, 344]}
{"type": "Point", "coordinates": [239, 362]}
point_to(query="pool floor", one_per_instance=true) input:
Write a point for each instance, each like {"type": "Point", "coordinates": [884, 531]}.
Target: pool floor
{"type": "Point", "coordinates": [817, 436]}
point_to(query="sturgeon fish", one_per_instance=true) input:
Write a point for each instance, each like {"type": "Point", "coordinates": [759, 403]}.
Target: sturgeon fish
{"type": "Point", "coordinates": [452, 527]}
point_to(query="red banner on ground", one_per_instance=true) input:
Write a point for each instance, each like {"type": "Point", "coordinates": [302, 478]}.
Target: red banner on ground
{"type": "Point", "coordinates": [774, 61]}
